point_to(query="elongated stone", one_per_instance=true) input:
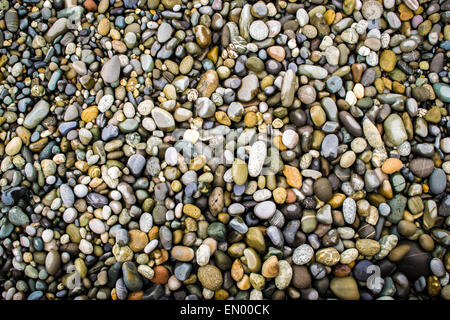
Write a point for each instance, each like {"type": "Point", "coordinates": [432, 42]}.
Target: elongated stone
{"type": "Point", "coordinates": [58, 28]}
{"type": "Point", "coordinates": [313, 72]}
{"type": "Point", "coordinates": [288, 88]}
{"type": "Point", "coordinates": [257, 156]}
{"type": "Point", "coordinates": [37, 114]}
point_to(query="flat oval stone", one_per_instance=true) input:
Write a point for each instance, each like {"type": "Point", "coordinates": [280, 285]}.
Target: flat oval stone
{"type": "Point", "coordinates": [437, 181]}
{"type": "Point", "coordinates": [372, 10]}
{"type": "Point", "coordinates": [349, 210]}
{"type": "Point", "coordinates": [182, 253]}
{"type": "Point", "coordinates": [302, 254]}
{"type": "Point", "coordinates": [345, 288]}
{"type": "Point", "coordinates": [96, 200]}
{"type": "Point", "coordinates": [208, 83]}
{"type": "Point", "coordinates": [265, 210]}
{"type": "Point", "coordinates": [52, 262]}
{"type": "Point", "coordinates": [236, 209]}
{"type": "Point", "coordinates": [350, 123]}
{"type": "Point", "coordinates": [290, 138]}
{"type": "Point", "coordinates": [328, 256]}
{"type": "Point", "coordinates": [131, 277]}
{"type": "Point", "coordinates": [322, 189]}
{"type": "Point", "coordinates": [97, 226]}
{"type": "Point", "coordinates": [395, 129]}
{"type": "Point", "coordinates": [421, 167]}
{"type": "Point", "coordinates": [210, 277]}
{"type": "Point", "coordinates": [284, 277]}
{"type": "Point", "coordinates": [164, 32]}
{"type": "Point", "coordinates": [67, 195]}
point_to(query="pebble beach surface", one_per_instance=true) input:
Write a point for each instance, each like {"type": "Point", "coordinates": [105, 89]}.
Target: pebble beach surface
{"type": "Point", "coordinates": [215, 149]}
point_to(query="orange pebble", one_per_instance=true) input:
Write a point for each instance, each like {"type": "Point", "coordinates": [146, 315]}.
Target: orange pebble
{"type": "Point", "coordinates": [161, 275]}
{"type": "Point", "coordinates": [391, 165]}
{"type": "Point", "coordinates": [291, 197]}
{"type": "Point", "coordinates": [293, 176]}
{"type": "Point", "coordinates": [90, 5]}
{"type": "Point", "coordinates": [279, 144]}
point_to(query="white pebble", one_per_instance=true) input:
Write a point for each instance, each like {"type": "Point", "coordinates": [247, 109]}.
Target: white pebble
{"type": "Point", "coordinates": [85, 246]}
{"type": "Point", "coordinates": [203, 254]}
{"type": "Point", "coordinates": [302, 254]}
{"type": "Point", "coordinates": [151, 246]}
{"type": "Point", "coordinates": [145, 222]}
{"type": "Point", "coordinates": [350, 98]}
{"type": "Point", "coordinates": [290, 138]}
{"type": "Point", "coordinates": [171, 156]}
{"type": "Point", "coordinates": [128, 110]}
{"type": "Point", "coordinates": [81, 190]}
{"type": "Point", "coordinates": [97, 226]}
{"type": "Point", "coordinates": [47, 235]}
{"type": "Point", "coordinates": [145, 107]}
{"type": "Point", "coordinates": [69, 215]}
{"type": "Point", "coordinates": [105, 103]}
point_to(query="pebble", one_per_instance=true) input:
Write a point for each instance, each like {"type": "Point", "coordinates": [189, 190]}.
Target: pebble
{"type": "Point", "coordinates": [290, 138]}
{"type": "Point", "coordinates": [421, 167]}
{"type": "Point", "coordinates": [258, 30]}
{"type": "Point", "coordinates": [239, 171]}
{"type": "Point", "coordinates": [265, 210]}
{"type": "Point", "coordinates": [182, 253]}
{"type": "Point", "coordinates": [210, 277]}
{"type": "Point", "coordinates": [345, 288]}
{"type": "Point", "coordinates": [349, 210]}
{"type": "Point", "coordinates": [37, 114]}
{"type": "Point", "coordinates": [257, 156]}
{"type": "Point", "coordinates": [163, 119]}
{"type": "Point", "coordinates": [164, 32]}
{"type": "Point", "coordinates": [328, 256]}
{"type": "Point", "coordinates": [203, 254]}
{"type": "Point", "coordinates": [302, 254]}
{"type": "Point", "coordinates": [368, 247]}
{"type": "Point", "coordinates": [395, 130]}
{"type": "Point", "coordinates": [52, 262]}
{"type": "Point", "coordinates": [131, 277]}
{"type": "Point", "coordinates": [248, 89]}
{"type": "Point", "coordinates": [322, 188]}
{"type": "Point", "coordinates": [392, 165]}
{"type": "Point", "coordinates": [111, 70]}
{"type": "Point", "coordinates": [14, 146]}
{"type": "Point", "coordinates": [438, 181]}
{"type": "Point", "coordinates": [284, 276]}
